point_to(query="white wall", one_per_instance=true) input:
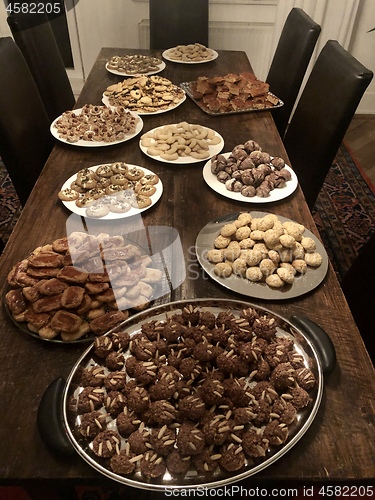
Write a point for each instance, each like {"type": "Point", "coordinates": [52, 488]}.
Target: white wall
{"type": "Point", "coordinates": [107, 23]}
{"type": "Point", "coordinates": [362, 46]}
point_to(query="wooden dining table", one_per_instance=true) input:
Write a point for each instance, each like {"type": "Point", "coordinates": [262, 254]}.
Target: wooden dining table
{"type": "Point", "coordinates": [339, 446]}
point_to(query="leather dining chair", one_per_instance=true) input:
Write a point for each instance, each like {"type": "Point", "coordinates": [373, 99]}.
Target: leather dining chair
{"type": "Point", "coordinates": [178, 22]}
{"type": "Point", "coordinates": [34, 36]}
{"type": "Point", "coordinates": [328, 102]}
{"type": "Point", "coordinates": [290, 61]}
{"type": "Point", "coordinates": [25, 138]}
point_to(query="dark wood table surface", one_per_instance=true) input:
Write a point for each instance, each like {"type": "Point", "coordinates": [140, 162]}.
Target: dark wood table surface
{"type": "Point", "coordinates": [339, 445]}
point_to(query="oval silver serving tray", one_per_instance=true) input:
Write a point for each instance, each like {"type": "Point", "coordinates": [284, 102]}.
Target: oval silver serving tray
{"type": "Point", "coordinates": [302, 284]}
{"type": "Point", "coordinates": [193, 479]}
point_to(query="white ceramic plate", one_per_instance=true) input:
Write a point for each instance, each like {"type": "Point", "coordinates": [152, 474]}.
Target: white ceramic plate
{"type": "Point", "coordinates": [275, 195]}
{"type": "Point", "coordinates": [71, 205]}
{"type": "Point", "coordinates": [301, 285]}
{"type": "Point", "coordinates": [95, 144]}
{"type": "Point", "coordinates": [161, 66]}
{"type": "Point", "coordinates": [105, 101]}
{"type": "Point", "coordinates": [184, 160]}
{"type": "Point", "coordinates": [166, 56]}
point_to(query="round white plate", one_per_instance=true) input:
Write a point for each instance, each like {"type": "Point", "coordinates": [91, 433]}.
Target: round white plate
{"type": "Point", "coordinates": [71, 205]}
{"type": "Point", "coordinates": [95, 144]}
{"type": "Point", "coordinates": [184, 160]}
{"type": "Point", "coordinates": [301, 285]}
{"type": "Point", "coordinates": [161, 66]}
{"type": "Point", "coordinates": [275, 195]}
{"type": "Point", "coordinates": [105, 101]}
{"type": "Point", "coordinates": [166, 56]}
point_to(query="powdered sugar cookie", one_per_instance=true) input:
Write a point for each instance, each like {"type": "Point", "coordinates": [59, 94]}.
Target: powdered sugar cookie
{"type": "Point", "coordinates": [221, 242]}
{"type": "Point", "coordinates": [97, 210]}
{"type": "Point", "coordinates": [119, 207]}
{"type": "Point", "coordinates": [274, 281]}
{"type": "Point", "coordinates": [215, 256]}
{"type": "Point", "coordinates": [228, 230]}
{"type": "Point", "coordinates": [223, 269]}
{"type": "Point", "coordinates": [313, 259]}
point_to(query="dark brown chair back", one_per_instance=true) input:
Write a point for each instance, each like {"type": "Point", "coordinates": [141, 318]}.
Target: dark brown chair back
{"type": "Point", "coordinates": [290, 61]}
{"type": "Point", "coordinates": [25, 138]}
{"type": "Point", "coordinates": [326, 107]}
{"type": "Point", "coordinates": [34, 36]}
{"type": "Point", "coordinates": [178, 22]}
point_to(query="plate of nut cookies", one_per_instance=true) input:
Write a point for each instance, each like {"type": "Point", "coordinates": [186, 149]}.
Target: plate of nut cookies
{"type": "Point", "coordinates": [77, 287]}
{"type": "Point", "coordinates": [263, 255]}
{"type": "Point", "coordinates": [194, 53]}
{"type": "Point", "coordinates": [181, 143]}
{"type": "Point", "coordinates": [96, 126]}
{"type": "Point", "coordinates": [237, 388]}
{"type": "Point", "coordinates": [146, 95]}
{"type": "Point", "coordinates": [111, 191]}
{"type": "Point", "coordinates": [134, 64]}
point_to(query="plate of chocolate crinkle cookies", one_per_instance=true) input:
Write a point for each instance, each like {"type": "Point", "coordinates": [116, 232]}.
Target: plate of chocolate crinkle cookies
{"type": "Point", "coordinates": [250, 174]}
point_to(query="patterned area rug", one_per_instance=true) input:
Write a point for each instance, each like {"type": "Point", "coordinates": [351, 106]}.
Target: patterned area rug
{"type": "Point", "coordinates": [344, 212]}
{"type": "Point", "coordinates": [10, 207]}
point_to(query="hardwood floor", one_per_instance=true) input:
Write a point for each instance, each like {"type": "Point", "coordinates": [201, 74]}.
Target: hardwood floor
{"type": "Point", "coordinates": [360, 139]}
